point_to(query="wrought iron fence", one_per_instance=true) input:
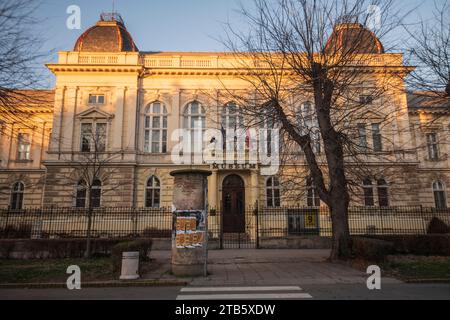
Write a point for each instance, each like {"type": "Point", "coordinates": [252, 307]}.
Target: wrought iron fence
{"type": "Point", "coordinates": [258, 223]}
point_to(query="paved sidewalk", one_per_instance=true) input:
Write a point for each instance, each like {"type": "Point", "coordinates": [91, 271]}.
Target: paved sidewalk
{"type": "Point", "coordinates": [267, 267]}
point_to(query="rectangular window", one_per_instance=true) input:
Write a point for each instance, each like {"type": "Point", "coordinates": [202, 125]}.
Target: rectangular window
{"type": "Point", "coordinates": [96, 99]}
{"type": "Point", "coordinates": [362, 138]}
{"type": "Point", "coordinates": [365, 99]}
{"type": "Point", "coordinates": [86, 132]}
{"type": "Point", "coordinates": [376, 137]}
{"type": "Point", "coordinates": [368, 196]}
{"type": "Point", "coordinates": [24, 146]}
{"type": "Point", "coordinates": [432, 146]}
{"type": "Point", "coordinates": [91, 142]}
{"type": "Point", "coordinates": [312, 198]}
{"type": "Point", "coordinates": [100, 137]}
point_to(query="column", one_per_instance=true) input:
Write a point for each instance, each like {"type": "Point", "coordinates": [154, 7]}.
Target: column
{"type": "Point", "coordinates": [212, 190]}
{"type": "Point", "coordinates": [130, 116]}
{"type": "Point", "coordinates": [254, 186]}
{"type": "Point", "coordinates": [57, 117]}
{"type": "Point", "coordinates": [117, 130]}
{"type": "Point", "coordinates": [174, 119]}
{"type": "Point", "coordinates": [68, 119]}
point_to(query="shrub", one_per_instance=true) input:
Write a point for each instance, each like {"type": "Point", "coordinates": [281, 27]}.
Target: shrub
{"type": "Point", "coordinates": [142, 246]}
{"type": "Point", "coordinates": [428, 244]}
{"type": "Point", "coordinates": [437, 226]}
{"type": "Point", "coordinates": [22, 231]}
{"type": "Point", "coordinates": [371, 249]}
{"type": "Point", "coordinates": [56, 248]}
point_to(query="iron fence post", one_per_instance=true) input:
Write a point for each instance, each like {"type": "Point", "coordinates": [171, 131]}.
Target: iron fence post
{"type": "Point", "coordinates": [257, 224]}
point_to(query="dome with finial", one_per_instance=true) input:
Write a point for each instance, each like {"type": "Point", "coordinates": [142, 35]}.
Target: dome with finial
{"type": "Point", "coordinates": [353, 37]}
{"type": "Point", "coordinates": [107, 35]}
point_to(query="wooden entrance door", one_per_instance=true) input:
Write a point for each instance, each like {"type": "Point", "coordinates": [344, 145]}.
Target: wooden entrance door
{"type": "Point", "coordinates": [233, 204]}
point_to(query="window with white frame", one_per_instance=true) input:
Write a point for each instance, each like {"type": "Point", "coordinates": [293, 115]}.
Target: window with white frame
{"type": "Point", "coordinates": [307, 122]}
{"type": "Point", "coordinates": [194, 121]}
{"type": "Point", "coordinates": [362, 138]}
{"type": "Point", "coordinates": [232, 119]}
{"type": "Point", "coordinates": [383, 194]}
{"type": "Point", "coordinates": [312, 196]}
{"type": "Point", "coordinates": [432, 146]}
{"type": "Point", "coordinates": [96, 194]}
{"type": "Point", "coordinates": [96, 99]}
{"type": "Point", "coordinates": [93, 137]}
{"type": "Point", "coordinates": [155, 126]}
{"type": "Point", "coordinates": [23, 146]}
{"type": "Point", "coordinates": [368, 192]}
{"type": "Point", "coordinates": [273, 192]}
{"type": "Point", "coordinates": [152, 192]}
{"type": "Point", "coordinates": [17, 191]}
{"type": "Point", "coordinates": [440, 199]}
{"type": "Point", "coordinates": [376, 137]}
{"type": "Point", "coordinates": [365, 99]}
{"type": "Point", "coordinates": [80, 194]}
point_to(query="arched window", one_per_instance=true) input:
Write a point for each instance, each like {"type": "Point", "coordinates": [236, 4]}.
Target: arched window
{"type": "Point", "coordinates": [17, 195]}
{"type": "Point", "coordinates": [273, 192]}
{"type": "Point", "coordinates": [368, 192]}
{"type": "Point", "coordinates": [193, 121]}
{"type": "Point", "coordinates": [96, 193]}
{"type": "Point", "coordinates": [155, 136]}
{"type": "Point", "coordinates": [440, 200]}
{"type": "Point", "coordinates": [80, 197]}
{"type": "Point", "coordinates": [152, 192]}
{"type": "Point", "coordinates": [383, 196]}
{"type": "Point", "coordinates": [312, 197]}
{"type": "Point", "coordinates": [232, 118]}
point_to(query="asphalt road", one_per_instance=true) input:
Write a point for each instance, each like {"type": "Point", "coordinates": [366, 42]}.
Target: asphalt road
{"type": "Point", "coordinates": [310, 291]}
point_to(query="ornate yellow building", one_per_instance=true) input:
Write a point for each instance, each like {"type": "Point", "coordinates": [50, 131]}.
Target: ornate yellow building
{"type": "Point", "coordinates": [133, 101]}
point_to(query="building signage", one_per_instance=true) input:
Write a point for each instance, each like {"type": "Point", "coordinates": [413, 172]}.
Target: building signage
{"type": "Point", "coordinates": [311, 220]}
{"type": "Point", "coordinates": [234, 166]}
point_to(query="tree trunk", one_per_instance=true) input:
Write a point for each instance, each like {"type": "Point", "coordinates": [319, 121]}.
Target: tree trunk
{"type": "Point", "coordinates": [341, 241]}
{"type": "Point", "coordinates": [87, 253]}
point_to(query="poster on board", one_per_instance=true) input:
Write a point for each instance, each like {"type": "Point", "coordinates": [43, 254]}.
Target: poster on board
{"type": "Point", "coordinates": [189, 228]}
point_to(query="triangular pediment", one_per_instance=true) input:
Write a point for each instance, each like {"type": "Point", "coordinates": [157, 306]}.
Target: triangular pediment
{"type": "Point", "coordinates": [94, 113]}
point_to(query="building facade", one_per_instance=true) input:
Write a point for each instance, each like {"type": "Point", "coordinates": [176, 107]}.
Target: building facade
{"type": "Point", "coordinates": [125, 105]}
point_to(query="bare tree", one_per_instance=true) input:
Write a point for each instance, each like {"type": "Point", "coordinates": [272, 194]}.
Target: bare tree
{"type": "Point", "coordinates": [92, 175]}
{"type": "Point", "coordinates": [429, 50]}
{"type": "Point", "coordinates": [320, 51]}
{"type": "Point", "coordinates": [20, 58]}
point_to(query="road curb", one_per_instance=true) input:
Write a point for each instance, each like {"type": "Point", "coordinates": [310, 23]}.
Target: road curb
{"type": "Point", "coordinates": [436, 280]}
{"type": "Point", "coordinates": [106, 284]}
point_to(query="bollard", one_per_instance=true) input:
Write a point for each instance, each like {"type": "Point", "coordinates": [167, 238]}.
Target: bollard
{"type": "Point", "coordinates": [130, 266]}
{"type": "Point", "coordinates": [189, 238]}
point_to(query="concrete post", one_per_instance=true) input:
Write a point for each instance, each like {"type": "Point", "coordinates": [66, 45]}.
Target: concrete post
{"type": "Point", "coordinates": [189, 220]}
{"type": "Point", "coordinates": [130, 266]}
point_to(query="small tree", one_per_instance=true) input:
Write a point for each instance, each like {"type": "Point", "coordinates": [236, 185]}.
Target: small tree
{"type": "Point", "coordinates": [93, 174]}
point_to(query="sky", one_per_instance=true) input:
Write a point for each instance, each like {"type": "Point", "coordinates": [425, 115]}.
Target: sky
{"type": "Point", "coordinates": [158, 25]}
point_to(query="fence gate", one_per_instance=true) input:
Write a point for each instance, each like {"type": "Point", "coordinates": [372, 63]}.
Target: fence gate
{"type": "Point", "coordinates": [243, 237]}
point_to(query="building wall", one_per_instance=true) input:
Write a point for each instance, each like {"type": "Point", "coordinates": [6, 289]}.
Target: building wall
{"type": "Point", "coordinates": [37, 122]}
{"type": "Point", "coordinates": [130, 86]}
